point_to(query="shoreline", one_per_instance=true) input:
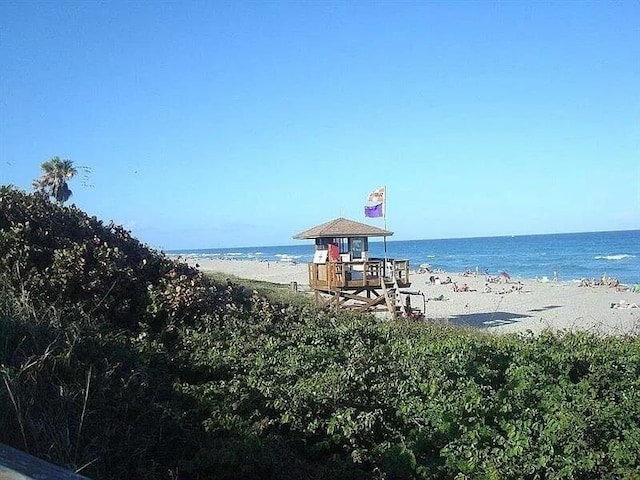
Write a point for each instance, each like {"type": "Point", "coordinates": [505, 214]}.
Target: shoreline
{"type": "Point", "coordinates": [286, 259]}
{"type": "Point", "coordinates": [516, 306]}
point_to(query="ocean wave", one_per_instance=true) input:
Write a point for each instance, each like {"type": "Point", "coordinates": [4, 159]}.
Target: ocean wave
{"type": "Point", "coordinates": [287, 258]}
{"type": "Point", "coordinates": [620, 256]}
{"type": "Point", "coordinates": [192, 255]}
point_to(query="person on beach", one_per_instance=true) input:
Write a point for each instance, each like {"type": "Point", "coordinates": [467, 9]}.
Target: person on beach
{"type": "Point", "coordinates": [623, 304]}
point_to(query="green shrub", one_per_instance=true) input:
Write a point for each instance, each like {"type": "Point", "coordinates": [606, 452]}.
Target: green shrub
{"type": "Point", "coordinates": [116, 360]}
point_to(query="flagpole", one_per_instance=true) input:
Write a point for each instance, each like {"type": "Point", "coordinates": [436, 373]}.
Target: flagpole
{"type": "Point", "coordinates": [384, 216]}
{"type": "Point", "coordinates": [384, 211]}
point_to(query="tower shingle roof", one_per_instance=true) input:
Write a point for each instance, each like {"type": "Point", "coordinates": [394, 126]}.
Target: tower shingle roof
{"type": "Point", "coordinates": [342, 227]}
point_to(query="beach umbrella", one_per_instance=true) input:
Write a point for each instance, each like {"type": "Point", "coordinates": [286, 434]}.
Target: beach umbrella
{"type": "Point", "coordinates": [506, 275]}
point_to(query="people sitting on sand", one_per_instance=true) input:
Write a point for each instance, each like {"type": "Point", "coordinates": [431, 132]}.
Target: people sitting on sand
{"type": "Point", "coordinates": [624, 305]}
{"type": "Point", "coordinates": [435, 280]}
{"type": "Point", "coordinates": [514, 288]}
{"type": "Point", "coordinates": [462, 288]}
{"type": "Point", "coordinates": [440, 298]}
{"type": "Point", "coordinates": [604, 281]}
{"type": "Point", "coordinates": [610, 281]}
{"type": "Point", "coordinates": [487, 288]}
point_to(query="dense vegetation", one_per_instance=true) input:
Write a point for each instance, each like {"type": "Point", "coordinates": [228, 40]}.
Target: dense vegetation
{"type": "Point", "coordinates": [119, 362]}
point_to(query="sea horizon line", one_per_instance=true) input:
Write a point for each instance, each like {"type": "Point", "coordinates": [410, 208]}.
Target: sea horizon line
{"type": "Point", "coordinates": [300, 243]}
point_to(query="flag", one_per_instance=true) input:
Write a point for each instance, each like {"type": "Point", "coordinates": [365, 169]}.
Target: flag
{"type": "Point", "coordinates": [377, 195]}
{"type": "Point", "coordinates": [374, 211]}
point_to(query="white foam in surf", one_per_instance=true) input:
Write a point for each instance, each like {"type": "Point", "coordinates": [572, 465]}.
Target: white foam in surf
{"type": "Point", "coordinates": [288, 258]}
{"type": "Point", "coordinates": [621, 256]}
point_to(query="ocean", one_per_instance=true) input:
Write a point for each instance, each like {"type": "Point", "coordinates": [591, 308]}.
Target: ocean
{"type": "Point", "coordinates": [571, 255]}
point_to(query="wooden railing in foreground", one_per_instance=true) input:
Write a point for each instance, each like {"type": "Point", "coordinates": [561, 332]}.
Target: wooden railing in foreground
{"type": "Point", "coordinates": [17, 465]}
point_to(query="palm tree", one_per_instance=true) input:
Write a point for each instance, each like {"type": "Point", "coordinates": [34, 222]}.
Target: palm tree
{"type": "Point", "coordinates": [53, 181]}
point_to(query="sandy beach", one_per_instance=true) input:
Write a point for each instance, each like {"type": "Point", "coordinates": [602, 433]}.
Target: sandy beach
{"type": "Point", "coordinates": [516, 306]}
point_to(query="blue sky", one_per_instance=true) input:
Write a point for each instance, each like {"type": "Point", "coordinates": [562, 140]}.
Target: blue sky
{"type": "Point", "coordinates": [221, 124]}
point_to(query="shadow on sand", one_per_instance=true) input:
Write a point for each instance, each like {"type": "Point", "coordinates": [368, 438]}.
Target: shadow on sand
{"type": "Point", "coordinates": [542, 309]}
{"type": "Point", "coordinates": [486, 319]}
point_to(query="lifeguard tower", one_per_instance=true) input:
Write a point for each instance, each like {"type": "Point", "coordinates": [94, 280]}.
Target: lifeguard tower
{"type": "Point", "coordinates": [343, 276]}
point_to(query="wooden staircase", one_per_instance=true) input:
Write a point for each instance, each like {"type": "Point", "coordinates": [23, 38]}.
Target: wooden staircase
{"type": "Point", "coordinates": [398, 302]}
{"type": "Point", "coordinates": [393, 297]}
